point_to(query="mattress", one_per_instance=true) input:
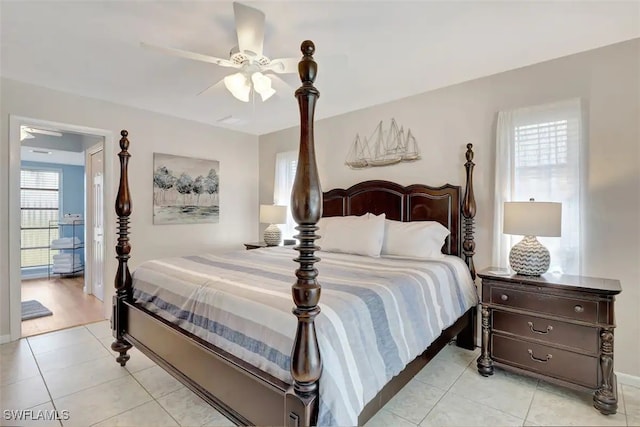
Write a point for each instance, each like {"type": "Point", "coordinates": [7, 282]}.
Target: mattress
{"type": "Point", "coordinates": [377, 314]}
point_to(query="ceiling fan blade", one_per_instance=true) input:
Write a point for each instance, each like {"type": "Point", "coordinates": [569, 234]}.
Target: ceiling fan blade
{"type": "Point", "coordinates": [43, 131]}
{"type": "Point", "coordinates": [283, 65]}
{"type": "Point", "coordinates": [212, 88]}
{"type": "Point", "coordinates": [190, 55]}
{"type": "Point", "coordinates": [250, 28]}
{"type": "Point", "coordinates": [281, 86]}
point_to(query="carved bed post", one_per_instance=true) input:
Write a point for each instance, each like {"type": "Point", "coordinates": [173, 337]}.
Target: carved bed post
{"type": "Point", "coordinates": [301, 407]}
{"type": "Point", "coordinates": [469, 212]}
{"type": "Point", "coordinates": [123, 276]}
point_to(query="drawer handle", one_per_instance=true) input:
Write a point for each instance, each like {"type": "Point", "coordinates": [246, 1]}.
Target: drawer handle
{"type": "Point", "coordinates": [578, 308]}
{"type": "Point", "coordinates": [538, 359]}
{"type": "Point", "coordinates": [504, 297]}
{"type": "Point", "coordinates": [534, 330]}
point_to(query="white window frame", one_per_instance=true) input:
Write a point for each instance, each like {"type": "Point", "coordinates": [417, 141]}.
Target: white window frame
{"type": "Point", "coordinates": [566, 251]}
{"type": "Point", "coordinates": [285, 174]}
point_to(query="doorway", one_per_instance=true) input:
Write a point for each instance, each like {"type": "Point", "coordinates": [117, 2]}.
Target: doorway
{"type": "Point", "coordinates": [62, 268]}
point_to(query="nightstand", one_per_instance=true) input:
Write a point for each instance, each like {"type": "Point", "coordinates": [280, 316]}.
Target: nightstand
{"type": "Point", "coordinates": [553, 327]}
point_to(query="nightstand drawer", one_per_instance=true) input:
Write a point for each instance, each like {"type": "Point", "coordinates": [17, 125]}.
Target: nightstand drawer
{"type": "Point", "coordinates": [582, 338]}
{"type": "Point", "coordinates": [544, 303]}
{"type": "Point", "coordinates": [546, 360]}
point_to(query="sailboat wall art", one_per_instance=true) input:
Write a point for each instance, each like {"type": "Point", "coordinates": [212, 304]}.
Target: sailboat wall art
{"type": "Point", "coordinates": [383, 148]}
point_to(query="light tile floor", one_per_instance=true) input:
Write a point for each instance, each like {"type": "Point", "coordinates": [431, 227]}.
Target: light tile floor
{"type": "Point", "coordinates": [74, 370]}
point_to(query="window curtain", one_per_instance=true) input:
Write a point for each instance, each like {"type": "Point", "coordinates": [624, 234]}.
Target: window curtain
{"type": "Point", "coordinates": [539, 154]}
{"type": "Point", "coordinates": [286, 164]}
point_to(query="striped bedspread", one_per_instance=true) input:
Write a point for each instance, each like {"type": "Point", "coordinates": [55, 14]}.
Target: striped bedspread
{"type": "Point", "coordinates": [377, 314]}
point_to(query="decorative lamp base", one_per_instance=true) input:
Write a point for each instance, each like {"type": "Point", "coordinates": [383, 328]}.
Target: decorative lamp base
{"type": "Point", "coordinates": [529, 257]}
{"type": "Point", "coordinates": [272, 235]}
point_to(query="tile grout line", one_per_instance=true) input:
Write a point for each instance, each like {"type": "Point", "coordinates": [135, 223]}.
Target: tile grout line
{"type": "Point", "coordinates": [88, 387]}
{"type": "Point", "coordinates": [624, 402]}
{"type": "Point", "coordinates": [494, 408]}
{"type": "Point", "coordinates": [83, 389]}
{"type": "Point", "coordinates": [115, 379]}
{"type": "Point", "coordinates": [153, 398]}
{"type": "Point", "coordinates": [120, 413]}
{"type": "Point", "coordinates": [46, 386]}
{"type": "Point", "coordinates": [531, 403]}
{"type": "Point", "coordinates": [165, 410]}
{"type": "Point", "coordinates": [448, 389]}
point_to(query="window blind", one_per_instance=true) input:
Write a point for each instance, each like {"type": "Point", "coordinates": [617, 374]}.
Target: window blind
{"type": "Point", "coordinates": [542, 144]}
{"type": "Point", "coordinates": [39, 205]}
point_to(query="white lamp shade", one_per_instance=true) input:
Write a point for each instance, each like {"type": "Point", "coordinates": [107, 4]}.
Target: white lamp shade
{"type": "Point", "coordinates": [273, 214]}
{"type": "Point", "coordinates": [262, 85]}
{"type": "Point", "coordinates": [542, 219]}
{"type": "Point", "coordinates": [238, 85]}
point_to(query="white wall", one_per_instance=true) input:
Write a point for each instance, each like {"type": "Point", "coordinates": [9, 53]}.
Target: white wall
{"type": "Point", "coordinates": [148, 132]}
{"type": "Point", "coordinates": [444, 120]}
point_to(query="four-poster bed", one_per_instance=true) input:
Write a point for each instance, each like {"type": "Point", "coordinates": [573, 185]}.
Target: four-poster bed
{"type": "Point", "coordinates": [245, 393]}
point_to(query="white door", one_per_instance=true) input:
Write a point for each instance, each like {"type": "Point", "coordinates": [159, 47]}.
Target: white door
{"type": "Point", "coordinates": [97, 222]}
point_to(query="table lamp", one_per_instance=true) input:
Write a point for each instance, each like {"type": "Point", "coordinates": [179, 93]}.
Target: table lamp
{"type": "Point", "coordinates": [530, 219]}
{"type": "Point", "coordinates": [273, 215]}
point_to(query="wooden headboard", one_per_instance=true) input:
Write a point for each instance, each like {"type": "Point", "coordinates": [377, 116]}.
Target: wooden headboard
{"type": "Point", "coordinates": [447, 204]}
{"type": "Point", "coordinates": [413, 203]}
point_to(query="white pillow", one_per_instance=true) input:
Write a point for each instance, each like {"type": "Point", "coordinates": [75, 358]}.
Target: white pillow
{"type": "Point", "coordinates": [360, 235]}
{"type": "Point", "coordinates": [322, 223]}
{"type": "Point", "coordinates": [418, 239]}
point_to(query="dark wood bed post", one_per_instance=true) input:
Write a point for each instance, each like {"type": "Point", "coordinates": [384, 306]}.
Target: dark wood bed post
{"type": "Point", "coordinates": [467, 337]}
{"type": "Point", "coordinates": [301, 404]}
{"type": "Point", "coordinates": [123, 248]}
{"type": "Point", "coordinates": [469, 213]}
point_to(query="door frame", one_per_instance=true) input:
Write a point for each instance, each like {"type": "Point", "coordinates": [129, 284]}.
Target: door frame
{"type": "Point", "coordinates": [15, 291]}
{"type": "Point", "coordinates": [88, 215]}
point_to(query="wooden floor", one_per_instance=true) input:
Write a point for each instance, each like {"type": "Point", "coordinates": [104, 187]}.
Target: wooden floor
{"type": "Point", "coordinates": [65, 298]}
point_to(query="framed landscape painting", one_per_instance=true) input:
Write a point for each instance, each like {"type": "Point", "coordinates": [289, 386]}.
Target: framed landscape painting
{"type": "Point", "coordinates": [185, 190]}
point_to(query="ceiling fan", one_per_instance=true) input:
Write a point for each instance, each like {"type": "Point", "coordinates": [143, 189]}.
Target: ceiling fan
{"type": "Point", "coordinates": [247, 57]}
{"type": "Point", "coordinates": [26, 132]}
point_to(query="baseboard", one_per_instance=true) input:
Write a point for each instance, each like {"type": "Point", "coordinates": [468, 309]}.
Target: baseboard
{"type": "Point", "coordinates": [627, 379]}
{"type": "Point", "coordinates": [5, 339]}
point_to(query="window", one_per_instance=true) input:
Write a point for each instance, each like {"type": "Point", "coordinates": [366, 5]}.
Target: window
{"type": "Point", "coordinates": [39, 204]}
{"type": "Point", "coordinates": [538, 153]}
{"type": "Point", "coordinates": [286, 164]}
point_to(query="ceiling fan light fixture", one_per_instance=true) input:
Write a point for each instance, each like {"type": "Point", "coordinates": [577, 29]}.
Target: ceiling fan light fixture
{"type": "Point", "coordinates": [247, 57]}
{"type": "Point", "coordinates": [238, 85]}
{"type": "Point", "coordinates": [262, 85]}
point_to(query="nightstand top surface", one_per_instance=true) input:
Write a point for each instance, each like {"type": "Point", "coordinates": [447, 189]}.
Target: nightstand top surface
{"type": "Point", "coordinates": [262, 245]}
{"type": "Point", "coordinates": [257, 244]}
{"type": "Point", "coordinates": [593, 284]}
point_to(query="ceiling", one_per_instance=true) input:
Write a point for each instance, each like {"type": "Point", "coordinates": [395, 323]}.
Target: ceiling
{"type": "Point", "coordinates": [368, 53]}
{"type": "Point", "coordinates": [68, 148]}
